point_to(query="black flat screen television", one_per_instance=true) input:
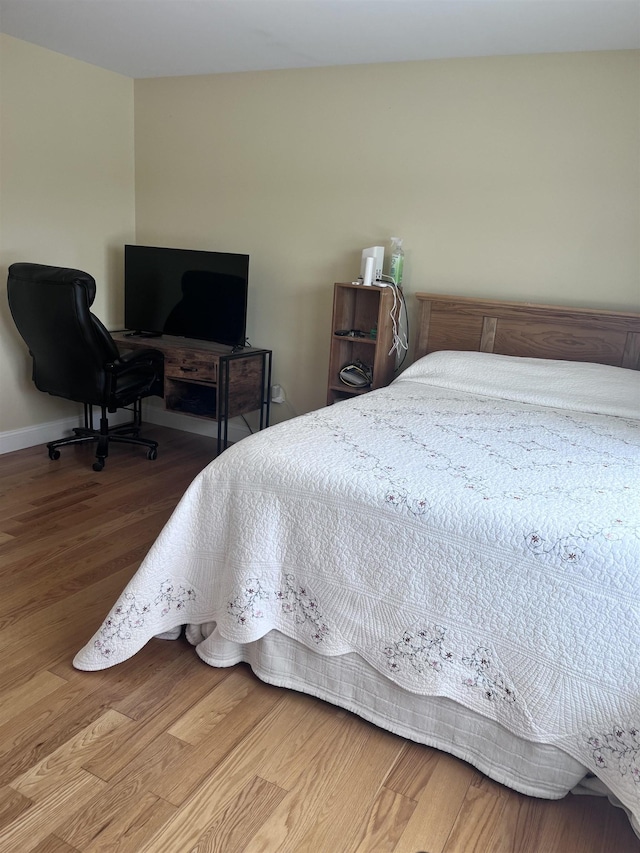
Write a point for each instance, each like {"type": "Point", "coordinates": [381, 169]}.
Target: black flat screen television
{"type": "Point", "coordinates": [186, 292]}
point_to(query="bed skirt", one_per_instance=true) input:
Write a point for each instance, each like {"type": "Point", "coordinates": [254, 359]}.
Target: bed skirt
{"type": "Point", "coordinates": [539, 770]}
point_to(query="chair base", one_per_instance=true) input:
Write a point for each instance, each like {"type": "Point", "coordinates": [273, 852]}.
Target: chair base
{"type": "Point", "coordinates": [122, 433]}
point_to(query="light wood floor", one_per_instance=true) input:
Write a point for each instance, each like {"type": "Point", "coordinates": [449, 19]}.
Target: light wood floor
{"type": "Point", "coordinates": [163, 753]}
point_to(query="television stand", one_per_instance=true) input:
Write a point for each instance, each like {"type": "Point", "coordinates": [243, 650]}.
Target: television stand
{"type": "Point", "coordinates": [143, 334]}
{"type": "Point", "coordinates": [208, 380]}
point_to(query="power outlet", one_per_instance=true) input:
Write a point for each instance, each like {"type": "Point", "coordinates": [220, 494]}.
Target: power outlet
{"type": "Point", "coordinates": [277, 394]}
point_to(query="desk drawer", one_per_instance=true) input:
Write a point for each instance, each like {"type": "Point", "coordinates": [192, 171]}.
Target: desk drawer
{"type": "Point", "coordinates": [200, 367]}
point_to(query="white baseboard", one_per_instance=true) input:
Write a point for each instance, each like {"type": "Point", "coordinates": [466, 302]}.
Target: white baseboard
{"type": "Point", "coordinates": [198, 426]}
{"type": "Point", "coordinates": [19, 439]}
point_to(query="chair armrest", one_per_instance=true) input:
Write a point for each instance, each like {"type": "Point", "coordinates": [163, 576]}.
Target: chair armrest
{"type": "Point", "coordinates": [134, 359]}
{"type": "Point", "coordinates": [124, 375]}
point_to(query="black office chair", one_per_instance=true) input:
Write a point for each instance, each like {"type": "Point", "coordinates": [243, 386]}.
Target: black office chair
{"type": "Point", "coordinates": [75, 357]}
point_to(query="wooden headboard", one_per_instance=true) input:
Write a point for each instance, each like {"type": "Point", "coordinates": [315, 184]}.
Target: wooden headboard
{"type": "Point", "coordinates": [524, 329]}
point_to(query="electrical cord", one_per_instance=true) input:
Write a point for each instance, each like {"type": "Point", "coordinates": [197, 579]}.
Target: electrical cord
{"type": "Point", "coordinates": [400, 338]}
{"type": "Point", "coordinates": [406, 323]}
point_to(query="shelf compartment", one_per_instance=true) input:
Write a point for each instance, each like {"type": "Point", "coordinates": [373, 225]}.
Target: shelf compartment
{"type": "Point", "coordinates": [189, 398]}
{"type": "Point", "coordinates": [357, 308]}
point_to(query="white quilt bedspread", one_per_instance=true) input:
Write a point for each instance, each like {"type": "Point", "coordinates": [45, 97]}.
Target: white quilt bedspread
{"type": "Point", "coordinates": [467, 546]}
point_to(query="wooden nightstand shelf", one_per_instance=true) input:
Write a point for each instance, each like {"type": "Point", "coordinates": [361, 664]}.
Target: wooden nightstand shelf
{"type": "Point", "coordinates": [368, 310]}
{"type": "Point", "coordinates": [207, 380]}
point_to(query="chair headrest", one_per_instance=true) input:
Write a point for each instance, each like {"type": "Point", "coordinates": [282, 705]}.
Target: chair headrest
{"type": "Point", "coordinates": [43, 273]}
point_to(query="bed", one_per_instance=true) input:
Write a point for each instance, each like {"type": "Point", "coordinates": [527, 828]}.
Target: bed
{"type": "Point", "coordinates": [455, 558]}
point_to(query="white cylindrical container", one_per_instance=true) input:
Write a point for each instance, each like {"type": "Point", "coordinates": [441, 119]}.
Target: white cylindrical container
{"type": "Point", "coordinates": [368, 272]}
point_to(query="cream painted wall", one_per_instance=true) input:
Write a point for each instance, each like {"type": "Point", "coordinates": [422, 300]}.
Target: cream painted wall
{"type": "Point", "coordinates": [512, 177]}
{"type": "Point", "coordinates": [66, 195]}
{"type": "Point", "coordinates": [509, 177]}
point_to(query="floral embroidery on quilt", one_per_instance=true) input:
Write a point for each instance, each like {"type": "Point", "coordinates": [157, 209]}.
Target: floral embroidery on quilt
{"type": "Point", "coordinates": [395, 487]}
{"type": "Point", "coordinates": [618, 749]}
{"type": "Point", "coordinates": [571, 548]}
{"type": "Point", "coordinates": [416, 506]}
{"type": "Point", "coordinates": [487, 677]}
{"type": "Point", "coordinates": [246, 605]}
{"type": "Point", "coordinates": [295, 600]}
{"type": "Point", "coordinates": [422, 649]}
{"type": "Point", "coordinates": [501, 440]}
{"type": "Point", "coordinates": [130, 617]}
{"type": "Point", "coordinates": [170, 597]}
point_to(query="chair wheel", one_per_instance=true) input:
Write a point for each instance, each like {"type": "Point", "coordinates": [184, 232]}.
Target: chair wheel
{"type": "Point", "coordinates": [152, 453]}
{"type": "Point", "coordinates": [98, 465]}
{"type": "Point", "coordinates": [54, 453]}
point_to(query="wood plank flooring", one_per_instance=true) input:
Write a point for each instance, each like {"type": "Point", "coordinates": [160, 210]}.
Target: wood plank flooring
{"type": "Point", "coordinates": [163, 754]}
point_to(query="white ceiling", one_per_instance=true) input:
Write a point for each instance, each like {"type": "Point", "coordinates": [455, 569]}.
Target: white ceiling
{"type": "Point", "coordinates": [154, 38]}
